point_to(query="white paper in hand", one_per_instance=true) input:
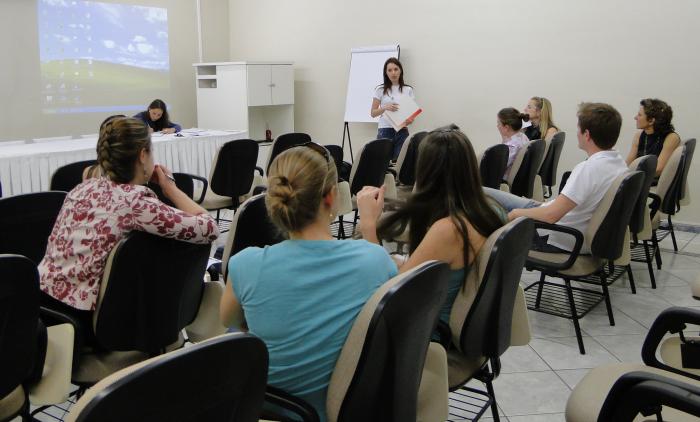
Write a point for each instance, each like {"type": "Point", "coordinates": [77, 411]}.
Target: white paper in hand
{"type": "Point", "coordinates": [408, 109]}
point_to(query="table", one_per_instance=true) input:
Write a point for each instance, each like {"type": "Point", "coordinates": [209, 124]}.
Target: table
{"type": "Point", "coordinates": [28, 168]}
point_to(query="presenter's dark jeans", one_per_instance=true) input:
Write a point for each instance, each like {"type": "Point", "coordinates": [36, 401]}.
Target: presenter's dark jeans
{"type": "Point", "coordinates": [396, 137]}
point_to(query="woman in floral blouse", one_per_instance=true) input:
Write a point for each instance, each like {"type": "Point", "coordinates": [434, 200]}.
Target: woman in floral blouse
{"type": "Point", "coordinates": [101, 211]}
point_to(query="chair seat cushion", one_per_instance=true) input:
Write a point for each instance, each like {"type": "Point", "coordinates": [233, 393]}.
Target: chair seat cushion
{"type": "Point", "coordinates": [583, 266]}
{"type": "Point", "coordinates": [94, 367]}
{"type": "Point", "coordinates": [586, 401]}
{"type": "Point", "coordinates": [12, 404]}
{"type": "Point", "coordinates": [670, 351]}
{"type": "Point", "coordinates": [460, 369]}
{"type": "Point", "coordinates": [213, 201]}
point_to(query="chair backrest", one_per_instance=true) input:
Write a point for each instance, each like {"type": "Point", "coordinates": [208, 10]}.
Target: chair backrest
{"type": "Point", "coordinates": [251, 226]}
{"type": "Point", "coordinates": [492, 165]}
{"type": "Point", "coordinates": [647, 165]}
{"type": "Point", "coordinates": [19, 321]}
{"type": "Point", "coordinates": [283, 143]}
{"type": "Point", "coordinates": [525, 167]}
{"type": "Point", "coordinates": [233, 168]}
{"type": "Point", "coordinates": [377, 375]}
{"type": "Point", "coordinates": [408, 159]}
{"type": "Point", "coordinates": [482, 313]}
{"type": "Point", "coordinates": [183, 181]}
{"type": "Point", "coordinates": [671, 180]}
{"type": "Point", "coordinates": [689, 151]}
{"type": "Point", "coordinates": [369, 169]}
{"type": "Point", "coordinates": [548, 169]}
{"type": "Point", "coordinates": [150, 290]}
{"type": "Point", "coordinates": [221, 379]}
{"type": "Point", "coordinates": [69, 176]}
{"type": "Point", "coordinates": [608, 226]}
{"type": "Point", "coordinates": [26, 222]}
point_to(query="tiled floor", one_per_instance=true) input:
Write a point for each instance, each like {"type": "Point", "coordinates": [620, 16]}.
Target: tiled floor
{"type": "Point", "coordinates": [536, 380]}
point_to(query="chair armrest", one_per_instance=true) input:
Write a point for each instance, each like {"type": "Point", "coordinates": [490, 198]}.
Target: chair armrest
{"type": "Point", "coordinates": [672, 320]}
{"type": "Point", "coordinates": [655, 203]}
{"type": "Point", "coordinates": [645, 393]}
{"type": "Point", "coordinates": [391, 170]}
{"type": "Point", "coordinates": [289, 403]}
{"type": "Point", "coordinates": [53, 317]}
{"type": "Point", "coordinates": [573, 255]}
{"type": "Point", "coordinates": [205, 186]}
{"type": "Point", "coordinates": [259, 170]}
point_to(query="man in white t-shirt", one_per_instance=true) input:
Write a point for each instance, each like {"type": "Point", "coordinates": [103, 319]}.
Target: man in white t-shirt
{"type": "Point", "coordinates": [598, 129]}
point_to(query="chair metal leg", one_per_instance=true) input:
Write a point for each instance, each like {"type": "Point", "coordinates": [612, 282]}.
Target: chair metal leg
{"type": "Point", "coordinates": [630, 276]}
{"type": "Point", "coordinates": [539, 291]}
{"type": "Point", "coordinates": [492, 394]}
{"type": "Point", "coordinates": [650, 267]}
{"type": "Point", "coordinates": [341, 228]}
{"type": "Point", "coordinates": [657, 253]}
{"type": "Point", "coordinates": [574, 316]}
{"type": "Point", "coordinates": [354, 222]}
{"type": "Point", "coordinates": [606, 296]}
{"type": "Point", "coordinates": [673, 234]}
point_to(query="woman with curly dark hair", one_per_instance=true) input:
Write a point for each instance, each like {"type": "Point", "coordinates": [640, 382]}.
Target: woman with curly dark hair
{"type": "Point", "coordinates": [657, 135]}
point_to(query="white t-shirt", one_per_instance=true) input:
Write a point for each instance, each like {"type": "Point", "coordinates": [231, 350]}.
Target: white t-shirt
{"type": "Point", "coordinates": [388, 98]}
{"type": "Point", "coordinates": [587, 185]}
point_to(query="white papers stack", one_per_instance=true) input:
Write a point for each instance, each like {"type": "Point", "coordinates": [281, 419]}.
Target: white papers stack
{"type": "Point", "coordinates": [408, 109]}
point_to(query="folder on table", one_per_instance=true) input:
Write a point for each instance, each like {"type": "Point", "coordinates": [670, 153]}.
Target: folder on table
{"type": "Point", "coordinates": [408, 109]}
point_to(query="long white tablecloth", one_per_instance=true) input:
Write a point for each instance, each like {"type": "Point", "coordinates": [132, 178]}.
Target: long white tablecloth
{"type": "Point", "coordinates": [28, 168]}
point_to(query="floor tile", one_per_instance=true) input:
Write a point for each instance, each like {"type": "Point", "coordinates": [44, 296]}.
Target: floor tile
{"type": "Point", "coordinates": [679, 261]}
{"type": "Point", "coordinates": [678, 296]}
{"type": "Point", "coordinates": [550, 326]}
{"type": "Point", "coordinates": [552, 417]}
{"type": "Point", "coordinates": [563, 353]}
{"type": "Point", "coordinates": [690, 247]}
{"type": "Point", "coordinates": [642, 279]}
{"type": "Point", "coordinates": [626, 348]}
{"type": "Point", "coordinates": [687, 275]}
{"type": "Point", "coordinates": [596, 323]}
{"type": "Point", "coordinates": [572, 376]}
{"type": "Point", "coordinates": [642, 307]}
{"type": "Point", "coordinates": [531, 393]}
{"type": "Point", "coordinates": [521, 359]}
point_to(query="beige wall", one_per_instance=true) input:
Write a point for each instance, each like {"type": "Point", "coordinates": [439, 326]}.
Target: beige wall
{"type": "Point", "coordinates": [468, 59]}
{"type": "Point", "coordinates": [20, 100]}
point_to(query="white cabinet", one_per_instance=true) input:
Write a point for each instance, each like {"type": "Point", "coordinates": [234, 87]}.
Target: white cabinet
{"type": "Point", "coordinates": [252, 96]}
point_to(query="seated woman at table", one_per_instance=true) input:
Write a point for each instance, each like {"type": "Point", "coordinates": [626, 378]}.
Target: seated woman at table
{"type": "Point", "coordinates": [157, 118]}
{"type": "Point", "coordinates": [657, 135]}
{"type": "Point", "coordinates": [99, 212]}
{"type": "Point", "coordinates": [95, 170]}
{"type": "Point", "coordinates": [301, 296]}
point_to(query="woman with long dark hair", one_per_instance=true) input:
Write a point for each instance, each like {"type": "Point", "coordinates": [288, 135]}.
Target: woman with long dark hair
{"type": "Point", "coordinates": [448, 216]}
{"type": "Point", "coordinates": [157, 118]}
{"type": "Point", "coordinates": [385, 99]}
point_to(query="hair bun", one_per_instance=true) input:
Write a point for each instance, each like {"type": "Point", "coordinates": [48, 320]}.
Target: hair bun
{"type": "Point", "coordinates": [525, 117]}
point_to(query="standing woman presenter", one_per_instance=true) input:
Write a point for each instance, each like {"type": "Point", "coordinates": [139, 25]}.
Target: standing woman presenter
{"type": "Point", "coordinates": [386, 98]}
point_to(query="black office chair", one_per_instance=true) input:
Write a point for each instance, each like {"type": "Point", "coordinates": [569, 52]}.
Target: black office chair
{"type": "Point", "coordinates": [521, 179]}
{"type": "Point", "coordinates": [251, 226]}
{"type": "Point", "coordinates": [493, 165]}
{"type": "Point", "coordinates": [640, 222]}
{"type": "Point", "coordinates": [482, 314]}
{"type": "Point", "coordinates": [688, 151]}
{"type": "Point", "coordinates": [605, 236]}
{"type": "Point", "coordinates": [69, 176]}
{"type": "Point", "coordinates": [378, 373]}
{"type": "Point", "coordinates": [221, 379]}
{"type": "Point", "coordinates": [548, 169]}
{"type": "Point", "coordinates": [408, 158]}
{"type": "Point", "coordinates": [232, 175]}
{"type": "Point", "coordinates": [283, 143]}
{"type": "Point", "coordinates": [26, 344]}
{"type": "Point", "coordinates": [184, 182]}
{"type": "Point", "coordinates": [151, 289]}
{"type": "Point", "coordinates": [26, 221]}
{"type": "Point", "coordinates": [342, 166]}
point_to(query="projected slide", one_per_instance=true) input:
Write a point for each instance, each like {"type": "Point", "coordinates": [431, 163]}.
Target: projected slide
{"type": "Point", "coordinates": [101, 57]}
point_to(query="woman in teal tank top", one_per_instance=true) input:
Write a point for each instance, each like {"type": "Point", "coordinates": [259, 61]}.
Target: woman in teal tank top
{"type": "Point", "coordinates": [448, 216]}
{"type": "Point", "coordinates": [301, 296]}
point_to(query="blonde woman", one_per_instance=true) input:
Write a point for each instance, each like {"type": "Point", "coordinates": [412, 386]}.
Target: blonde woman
{"type": "Point", "coordinates": [301, 296]}
{"type": "Point", "coordinates": [540, 111]}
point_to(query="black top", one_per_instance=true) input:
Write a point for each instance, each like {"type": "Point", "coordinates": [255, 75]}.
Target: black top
{"type": "Point", "coordinates": [651, 144]}
{"type": "Point", "coordinates": [533, 132]}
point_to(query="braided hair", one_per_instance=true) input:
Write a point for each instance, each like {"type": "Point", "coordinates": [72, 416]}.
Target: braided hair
{"type": "Point", "coordinates": [118, 148]}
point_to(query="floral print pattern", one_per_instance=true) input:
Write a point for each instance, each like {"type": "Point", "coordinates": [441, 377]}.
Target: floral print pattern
{"type": "Point", "coordinates": [95, 216]}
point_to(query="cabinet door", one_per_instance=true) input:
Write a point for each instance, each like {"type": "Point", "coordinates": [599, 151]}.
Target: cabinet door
{"type": "Point", "coordinates": [282, 84]}
{"type": "Point", "coordinates": [259, 81]}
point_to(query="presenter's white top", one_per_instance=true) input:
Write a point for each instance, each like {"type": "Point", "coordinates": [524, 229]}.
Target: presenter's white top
{"type": "Point", "coordinates": [388, 98]}
{"type": "Point", "coordinates": [587, 185]}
